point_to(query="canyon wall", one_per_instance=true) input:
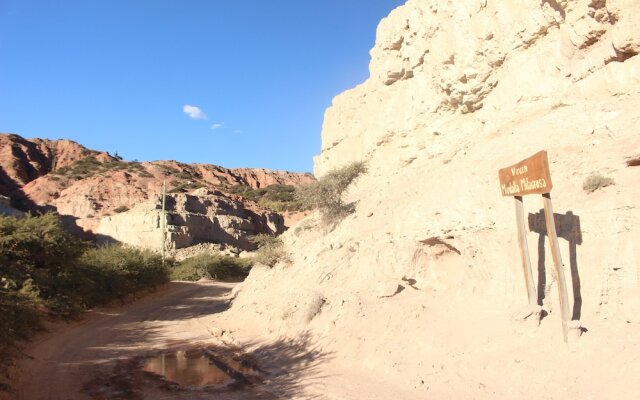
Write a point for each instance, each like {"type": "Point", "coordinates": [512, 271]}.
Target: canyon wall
{"type": "Point", "coordinates": [422, 286]}
{"type": "Point", "coordinates": [203, 216]}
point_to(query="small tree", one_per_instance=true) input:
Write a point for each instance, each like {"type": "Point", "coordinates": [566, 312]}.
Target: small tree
{"type": "Point", "coordinates": [326, 194]}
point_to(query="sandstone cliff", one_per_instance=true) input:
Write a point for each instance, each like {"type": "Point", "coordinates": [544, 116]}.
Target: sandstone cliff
{"type": "Point", "coordinates": [203, 216]}
{"type": "Point", "coordinates": [421, 289]}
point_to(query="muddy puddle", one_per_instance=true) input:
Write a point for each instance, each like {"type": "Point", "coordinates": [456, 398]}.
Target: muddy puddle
{"type": "Point", "coordinates": [187, 368]}
{"type": "Point", "coordinates": [202, 367]}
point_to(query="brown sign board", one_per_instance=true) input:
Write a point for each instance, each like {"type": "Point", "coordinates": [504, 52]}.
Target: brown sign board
{"type": "Point", "coordinates": [529, 176]}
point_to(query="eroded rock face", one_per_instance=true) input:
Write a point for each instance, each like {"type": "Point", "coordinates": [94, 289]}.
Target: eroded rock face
{"type": "Point", "coordinates": [204, 216]}
{"type": "Point", "coordinates": [419, 285]}
{"type": "Point", "coordinates": [23, 161]}
{"type": "Point", "coordinates": [490, 59]}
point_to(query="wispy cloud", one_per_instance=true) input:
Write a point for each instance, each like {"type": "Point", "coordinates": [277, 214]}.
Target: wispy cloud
{"type": "Point", "coordinates": [217, 125]}
{"type": "Point", "coordinates": [237, 131]}
{"type": "Point", "coordinates": [194, 112]}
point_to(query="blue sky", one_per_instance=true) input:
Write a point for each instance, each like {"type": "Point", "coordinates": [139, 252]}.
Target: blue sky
{"type": "Point", "coordinates": [255, 75]}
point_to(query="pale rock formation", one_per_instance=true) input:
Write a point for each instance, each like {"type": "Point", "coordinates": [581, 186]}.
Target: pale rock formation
{"type": "Point", "coordinates": [450, 58]}
{"type": "Point", "coordinates": [416, 290]}
{"type": "Point", "coordinates": [204, 216]}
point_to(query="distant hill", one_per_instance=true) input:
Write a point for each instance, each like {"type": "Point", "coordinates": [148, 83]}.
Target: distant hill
{"type": "Point", "coordinates": [86, 184]}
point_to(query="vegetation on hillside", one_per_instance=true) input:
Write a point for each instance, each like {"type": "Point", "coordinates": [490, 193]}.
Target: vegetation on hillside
{"type": "Point", "coordinates": [211, 266]}
{"type": "Point", "coordinates": [90, 166]}
{"type": "Point", "coordinates": [270, 249]}
{"type": "Point", "coordinates": [273, 197]}
{"type": "Point", "coordinates": [326, 194]}
{"type": "Point", "coordinates": [182, 181]}
{"type": "Point", "coordinates": [44, 270]}
{"type": "Point", "coordinates": [179, 186]}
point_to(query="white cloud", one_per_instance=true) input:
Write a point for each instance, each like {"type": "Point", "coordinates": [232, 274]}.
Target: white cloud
{"type": "Point", "coordinates": [194, 112]}
{"type": "Point", "coordinates": [237, 131]}
{"type": "Point", "coordinates": [217, 125]}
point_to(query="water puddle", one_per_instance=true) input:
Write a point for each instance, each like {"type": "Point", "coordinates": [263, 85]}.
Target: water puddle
{"type": "Point", "coordinates": [187, 368]}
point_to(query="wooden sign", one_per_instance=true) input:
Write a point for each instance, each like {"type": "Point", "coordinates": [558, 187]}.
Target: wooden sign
{"type": "Point", "coordinates": [529, 176]}
{"type": "Point", "coordinates": [532, 176]}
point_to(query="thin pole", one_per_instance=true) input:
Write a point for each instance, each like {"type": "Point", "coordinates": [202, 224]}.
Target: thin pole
{"type": "Point", "coordinates": [557, 262]}
{"type": "Point", "coordinates": [163, 222]}
{"type": "Point", "coordinates": [524, 252]}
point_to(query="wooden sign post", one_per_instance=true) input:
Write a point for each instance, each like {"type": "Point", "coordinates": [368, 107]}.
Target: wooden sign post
{"type": "Point", "coordinates": [532, 176]}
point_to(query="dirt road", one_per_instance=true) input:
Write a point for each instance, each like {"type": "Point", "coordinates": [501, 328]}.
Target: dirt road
{"type": "Point", "coordinates": [66, 361]}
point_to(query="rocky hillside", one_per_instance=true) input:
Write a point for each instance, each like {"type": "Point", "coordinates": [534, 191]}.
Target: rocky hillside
{"type": "Point", "coordinates": [92, 187]}
{"type": "Point", "coordinates": [23, 161]}
{"type": "Point", "coordinates": [76, 180]}
{"type": "Point", "coordinates": [421, 289]}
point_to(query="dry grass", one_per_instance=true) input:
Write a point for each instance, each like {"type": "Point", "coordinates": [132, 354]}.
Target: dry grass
{"type": "Point", "coordinates": [595, 182]}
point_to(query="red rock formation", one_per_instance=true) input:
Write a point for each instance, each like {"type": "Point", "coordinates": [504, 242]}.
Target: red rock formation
{"type": "Point", "coordinates": [23, 160]}
{"type": "Point", "coordinates": [39, 172]}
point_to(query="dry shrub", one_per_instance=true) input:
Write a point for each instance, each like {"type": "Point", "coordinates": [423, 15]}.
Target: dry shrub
{"type": "Point", "coordinates": [595, 182]}
{"type": "Point", "coordinates": [326, 194]}
{"type": "Point", "coordinates": [121, 209]}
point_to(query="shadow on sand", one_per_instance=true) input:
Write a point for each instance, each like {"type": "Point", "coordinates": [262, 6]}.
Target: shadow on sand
{"type": "Point", "coordinates": [567, 228]}
{"type": "Point", "coordinates": [284, 368]}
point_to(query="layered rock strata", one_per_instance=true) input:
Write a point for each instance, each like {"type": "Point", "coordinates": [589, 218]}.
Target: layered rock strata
{"type": "Point", "coordinates": [203, 216]}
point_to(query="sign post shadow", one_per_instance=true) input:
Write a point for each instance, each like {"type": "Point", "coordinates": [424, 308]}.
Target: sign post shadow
{"type": "Point", "coordinates": [532, 176]}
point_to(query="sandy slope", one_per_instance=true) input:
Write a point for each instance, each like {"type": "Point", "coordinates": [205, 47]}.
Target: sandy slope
{"type": "Point", "coordinates": [100, 350]}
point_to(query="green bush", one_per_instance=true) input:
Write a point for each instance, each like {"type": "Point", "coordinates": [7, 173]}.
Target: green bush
{"type": "Point", "coordinates": [183, 187]}
{"type": "Point", "coordinates": [168, 170]}
{"type": "Point", "coordinates": [46, 270]}
{"type": "Point", "coordinates": [326, 193]}
{"type": "Point", "coordinates": [36, 248]}
{"type": "Point", "coordinates": [135, 166]}
{"type": "Point", "coordinates": [19, 319]}
{"type": "Point", "coordinates": [145, 174]}
{"type": "Point", "coordinates": [117, 271]}
{"type": "Point", "coordinates": [270, 249]}
{"type": "Point", "coordinates": [83, 167]}
{"type": "Point", "coordinates": [272, 197]}
{"type": "Point", "coordinates": [211, 266]}
{"type": "Point", "coordinates": [90, 166]}
{"type": "Point", "coordinates": [184, 175]}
